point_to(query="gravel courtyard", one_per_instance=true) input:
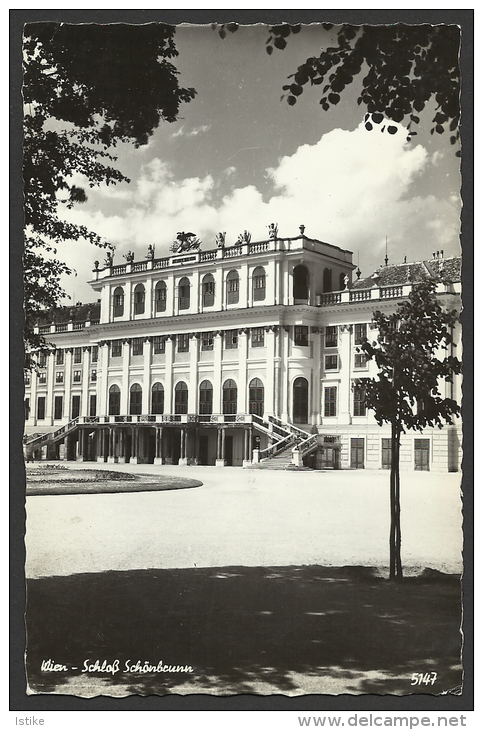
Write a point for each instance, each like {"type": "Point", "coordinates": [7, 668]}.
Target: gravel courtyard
{"type": "Point", "coordinates": [246, 517]}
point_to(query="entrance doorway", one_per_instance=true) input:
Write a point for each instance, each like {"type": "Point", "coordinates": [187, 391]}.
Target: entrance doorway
{"type": "Point", "coordinates": [357, 453]}
{"type": "Point", "coordinates": [229, 450]}
{"type": "Point", "coordinates": [300, 401]}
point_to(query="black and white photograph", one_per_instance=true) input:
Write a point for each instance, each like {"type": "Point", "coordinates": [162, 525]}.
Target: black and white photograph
{"type": "Point", "coordinates": [244, 361]}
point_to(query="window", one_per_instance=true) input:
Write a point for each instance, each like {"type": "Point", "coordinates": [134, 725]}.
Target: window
{"type": "Point", "coordinates": [208, 290]}
{"type": "Point", "coordinates": [181, 398]}
{"type": "Point", "coordinates": [359, 401]}
{"type": "Point", "coordinates": [160, 296]}
{"type": "Point", "coordinates": [231, 339]}
{"type": "Point", "coordinates": [59, 357]}
{"type": "Point", "coordinates": [41, 408]}
{"type": "Point", "coordinates": [300, 392]}
{"type": "Point", "coordinates": [255, 397]}
{"type": "Point", "coordinates": [360, 360]}
{"type": "Point", "coordinates": [42, 359]}
{"type": "Point", "coordinates": [157, 398]}
{"type": "Point", "coordinates": [139, 299]}
{"type": "Point", "coordinates": [183, 343]}
{"type": "Point", "coordinates": [114, 400]}
{"type": "Point", "coordinates": [331, 362]}
{"type": "Point", "coordinates": [26, 378]}
{"type": "Point", "coordinates": [206, 398]}
{"type": "Point", "coordinates": [95, 353]}
{"type": "Point", "coordinates": [258, 337]}
{"type": "Point", "coordinates": [301, 336]}
{"type": "Point", "coordinates": [360, 333]}
{"type": "Point", "coordinates": [184, 293]}
{"type": "Point", "coordinates": [159, 345]}
{"type": "Point", "coordinates": [137, 346]}
{"type": "Point", "coordinates": [386, 453]}
{"type": "Point", "coordinates": [327, 280]}
{"type": "Point", "coordinates": [59, 377]}
{"type": "Point", "coordinates": [331, 336]}
{"type": "Point", "coordinates": [77, 376]}
{"type": "Point", "coordinates": [421, 454]}
{"type": "Point", "coordinates": [342, 281]}
{"type": "Point", "coordinates": [27, 408]}
{"type": "Point", "coordinates": [93, 376]}
{"type": "Point", "coordinates": [259, 284]}
{"type": "Point", "coordinates": [118, 302]}
{"type": "Point", "coordinates": [42, 378]}
{"type": "Point", "coordinates": [58, 407]}
{"type": "Point", "coordinates": [229, 397]}
{"type": "Point", "coordinates": [232, 287]}
{"type": "Point", "coordinates": [116, 348]}
{"type": "Point", "coordinates": [92, 405]}
{"type": "Point", "coordinates": [75, 406]}
{"type": "Point", "coordinates": [77, 355]}
{"type": "Point", "coordinates": [135, 400]}
{"type": "Point", "coordinates": [207, 340]}
{"type": "Point", "coordinates": [300, 284]}
{"type": "Point", "coordinates": [357, 453]}
{"type": "Point", "coordinates": [330, 398]}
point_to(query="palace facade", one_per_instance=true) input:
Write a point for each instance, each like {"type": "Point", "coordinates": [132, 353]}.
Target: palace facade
{"type": "Point", "coordinates": [235, 356]}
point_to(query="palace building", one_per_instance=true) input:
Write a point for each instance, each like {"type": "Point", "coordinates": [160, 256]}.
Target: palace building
{"type": "Point", "coordinates": [240, 355]}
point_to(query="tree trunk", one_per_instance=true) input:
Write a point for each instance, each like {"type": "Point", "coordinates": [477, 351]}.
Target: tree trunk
{"type": "Point", "coordinates": [395, 565]}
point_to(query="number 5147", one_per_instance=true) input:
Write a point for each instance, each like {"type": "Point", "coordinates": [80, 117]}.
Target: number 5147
{"type": "Point", "coordinates": [426, 678]}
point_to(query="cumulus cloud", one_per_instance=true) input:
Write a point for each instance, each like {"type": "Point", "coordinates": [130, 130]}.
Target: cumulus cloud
{"type": "Point", "coordinates": [192, 132]}
{"type": "Point", "coordinates": [351, 188]}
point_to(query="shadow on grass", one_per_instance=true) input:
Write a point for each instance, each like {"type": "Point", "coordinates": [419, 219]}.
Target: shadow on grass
{"type": "Point", "coordinates": [285, 630]}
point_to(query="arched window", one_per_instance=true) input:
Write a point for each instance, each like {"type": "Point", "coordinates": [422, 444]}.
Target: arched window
{"type": "Point", "coordinates": [300, 400]}
{"type": "Point", "coordinates": [114, 400]}
{"type": "Point", "coordinates": [255, 397]}
{"type": "Point", "coordinates": [139, 299]}
{"type": "Point", "coordinates": [135, 400]}
{"type": "Point", "coordinates": [118, 302]}
{"type": "Point", "coordinates": [157, 398]}
{"type": "Point", "coordinates": [232, 287]}
{"type": "Point", "coordinates": [300, 285]}
{"type": "Point", "coordinates": [208, 290]}
{"type": "Point", "coordinates": [206, 398]}
{"type": "Point", "coordinates": [184, 293]}
{"type": "Point", "coordinates": [160, 296]}
{"type": "Point", "coordinates": [181, 398]}
{"type": "Point", "coordinates": [259, 284]}
{"type": "Point", "coordinates": [229, 396]}
{"type": "Point", "coordinates": [327, 280]}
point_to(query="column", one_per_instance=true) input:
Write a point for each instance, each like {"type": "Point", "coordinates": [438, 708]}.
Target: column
{"type": "Point", "coordinates": [128, 303]}
{"type": "Point", "coordinates": [49, 410]}
{"type": "Point", "coordinates": [80, 445]}
{"type": "Point", "coordinates": [284, 374]}
{"type": "Point", "coordinates": [100, 445]}
{"type": "Point", "coordinates": [286, 284]}
{"type": "Point", "coordinates": [84, 409]}
{"type": "Point", "coordinates": [170, 296]}
{"type": "Point", "coordinates": [102, 380]}
{"type": "Point", "coordinates": [193, 379]}
{"type": "Point", "coordinates": [121, 458]}
{"type": "Point", "coordinates": [220, 461]}
{"type": "Point", "coordinates": [344, 394]}
{"type": "Point", "coordinates": [158, 454]}
{"type": "Point", "coordinates": [247, 456]}
{"type": "Point", "coordinates": [183, 461]}
{"type": "Point", "coordinates": [147, 347]}
{"type": "Point", "coordinates": [217, 372]}
{"type": "Point", "coordinates": [243, 336]}
{"type": "Point", "coordinates": [148, 304]}
{"type": "Point", "coordinates": [316, 396]}
{"type": "Point", "coordinates": [168, 388]}
{"type": "Point", "coordinates": [134, 446]}
{"type": "Point", "coordinates": [110, 457]}
{"type": "Point", "coordinates": [125, 378]}
{"type": "Point", "coordinates": [270, 282]}
{"type": "Point", "coordinates": [269, 409]}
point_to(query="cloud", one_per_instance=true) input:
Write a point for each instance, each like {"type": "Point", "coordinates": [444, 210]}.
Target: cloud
{"type": "Point", "coordinates": [192, 132]}
{"type": "Point", "coordinates": [351, 189]}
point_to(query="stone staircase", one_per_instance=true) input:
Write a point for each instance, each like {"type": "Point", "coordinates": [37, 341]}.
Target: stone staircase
{"type": "Point", "coordinates": [288, 444]}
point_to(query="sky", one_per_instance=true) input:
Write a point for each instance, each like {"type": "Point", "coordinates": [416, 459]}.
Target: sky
{"type": "Point", "coordinates": [240, 158]}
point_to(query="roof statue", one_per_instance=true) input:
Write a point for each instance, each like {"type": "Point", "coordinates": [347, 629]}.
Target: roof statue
{"type": "Point", "coordinates": [245, 237]}
{"type": "Point", "coordinates": [150, 254]}
{"type": "Point", "coordinates": [220, 239]}
{"type": "Point", "coordinates": [273, 230]}
{"type": "Point", "coordinates": [185, 242]}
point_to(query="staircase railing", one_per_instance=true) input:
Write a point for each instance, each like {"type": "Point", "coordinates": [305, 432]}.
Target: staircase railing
{"type": "Point", "coordinates": [276, 447]}
{"type": "Point", "coordinates": [53, 435]}
{"type": "Point", "coordinates": [304, 448]}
